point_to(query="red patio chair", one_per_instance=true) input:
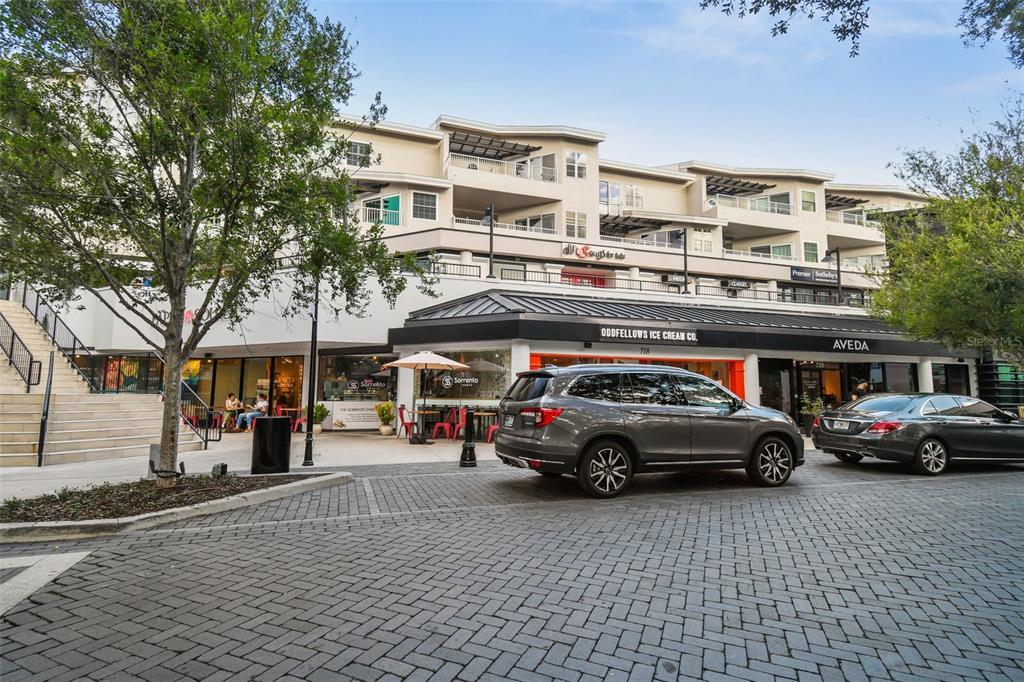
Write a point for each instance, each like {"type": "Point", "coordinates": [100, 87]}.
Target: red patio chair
{"type": "Point", "coordinates": [408, 424]}
{"type": "Point", "coordinates": [297, 424]}
{"type": "Point", "coordinates": [491, 430]}
{"type": "Point", "coordinates": [445, 425]}
{"type": "Point", "coordinates": [461, 424]}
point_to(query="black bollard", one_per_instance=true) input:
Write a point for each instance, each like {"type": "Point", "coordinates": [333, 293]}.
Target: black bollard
{"type": "Point", "coordinates": [468, 458]}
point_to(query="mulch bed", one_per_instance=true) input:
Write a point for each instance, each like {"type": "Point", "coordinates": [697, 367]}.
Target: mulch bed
{"type": "Point", "coordinates": [113, 500]}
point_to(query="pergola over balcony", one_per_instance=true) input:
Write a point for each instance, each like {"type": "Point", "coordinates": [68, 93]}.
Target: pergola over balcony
{"type": "Point", "coordinates": [840, 202]}
{"type": "Point", "coordinates": [626, 225]}
{"type": "Point", "coordinates": [486, 147]}
{"type": "Point", "coordinates": [721, 184]}
{"type": "Point", "coordinates": [362, 186]}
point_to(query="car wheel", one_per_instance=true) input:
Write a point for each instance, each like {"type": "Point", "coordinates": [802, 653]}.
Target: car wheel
{"type": "Point", "coordinates": [605, 469]}
{"type": "Point", "coordinates": [550, 474]}
{"type": "Point", "coordinates": [848, 457]}
{"type": "Point", "coordinates": [932, 457]}
{"type": "Point", "coordinates": [771, 463]}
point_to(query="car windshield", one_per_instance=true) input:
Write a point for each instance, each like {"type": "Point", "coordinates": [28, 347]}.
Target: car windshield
{"type": "Point", "coordinates": [881, 403]}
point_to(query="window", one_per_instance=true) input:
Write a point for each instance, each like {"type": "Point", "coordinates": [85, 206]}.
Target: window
{"type": "Point", "coordinates": [784, 251]}
{"type": "Point", "coordinates": [609, 192]}
{"type": "Point", "coordinates": [650, 389]}
{"type": "Point", "coordinates": [703, 393]}
{"type": "Point", "coordinates": [575, 165]}
{"type": "Point", "coordinates": [538, 168]}
{"type": "Point", "coordinates": [979, 408]}
{"type": "Point", "coordinates": [811, 252]}
{"type": "Point", "coordinates": [538, 223]}
{"type": "Point", "coordinates": [886, 403]}
{"type": "Point", "coordinates": [576, 224]}
{"type": "Point", "coordinates": [358, 154]}
{"type": "Point", "coordinates": [424, 206]}
{"type": "Point", "coordinates": [596, 387]}
{"type": "Point", "coordinates": [701, 240]}
{"type": "Point", "coordinates": [942, 405]}
{"type": "Point", "coordinates": [386, 210]}
{"type": "Point", "coordinates": [528, 387]}
{"type": "Point", "coordinates": [634, 196]}
{"type": "Point", "coordinates": [808, 201]}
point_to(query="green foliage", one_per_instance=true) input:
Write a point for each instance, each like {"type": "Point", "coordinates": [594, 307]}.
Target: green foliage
{"type": "Point", "coordinates": [957, 267]}
{"type": "Point", "coordinates": [814, 407]}
{"type": "Point", "coordinates": [980, 20]}
{"type": "Point", "coordinates": [320, 413]}
{"type": "Point", "coordinates": [385, 411]}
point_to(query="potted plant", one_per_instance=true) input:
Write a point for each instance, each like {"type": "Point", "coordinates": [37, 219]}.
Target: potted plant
{"type": "Point", "coordinates": [386, 414]}
{"type": "Point", "coordinates": [810, 408]}
{"type": "Point", "coordinates": [320, 413]}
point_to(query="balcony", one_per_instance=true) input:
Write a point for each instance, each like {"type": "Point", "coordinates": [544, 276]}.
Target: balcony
{"type": "Point", "coordinates": [647, 243]}
{"type": "Point", "coordinates": [761, 204]}
{"type": "Point", "coordinates": [383, 216]}
{"type": "Point", "coordinates": [750, 255]}
{"type": "Point", "coordinates": [851, 219]}
{"type": "Point", "coordinates": [510, 227]}
{"type": "Point", "coordinates": [515, 169]}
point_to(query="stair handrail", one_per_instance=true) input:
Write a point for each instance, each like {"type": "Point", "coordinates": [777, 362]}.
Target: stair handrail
{"type": "Point", "coordinates": [18, 354]}
{"type": "Point", "coordinates": [44, 416]}
{"type": "Point", "coordinates": [55, 328]}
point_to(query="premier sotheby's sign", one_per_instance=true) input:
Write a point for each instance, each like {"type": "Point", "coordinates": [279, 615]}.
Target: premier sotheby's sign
{"type": "Point", "coordinates": [662, 335]}
{"type": "Point", "coordinates": [813, 275]}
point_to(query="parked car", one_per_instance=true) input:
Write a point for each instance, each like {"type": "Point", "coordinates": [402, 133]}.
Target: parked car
{"type": "Point", "coordinates": [927, 429]}
{"type": "Point", "coordinates": [605, 423]}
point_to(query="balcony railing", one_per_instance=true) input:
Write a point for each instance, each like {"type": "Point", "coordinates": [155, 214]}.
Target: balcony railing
{"type": "Point", "coordinates": [630, 241]}
{"type": "Point", "coordinates": [586, 281]}
{"type": "Point", "coordinates": [516, 169]}
{"type": "Point", "coordinates": [851, 219]}
{"type": "Point", "coordinates": [757, 204]}
{"type": "Point", "coordinates": [469, 222]}
{"type": "Point", "coordinates": [745, 255]}
{"type": "Point", "coordinates": [849, 299]}
{"type": "Point", "coordinates": [383, 216]}
{"type": "Point", "coordinates": [446, 268]}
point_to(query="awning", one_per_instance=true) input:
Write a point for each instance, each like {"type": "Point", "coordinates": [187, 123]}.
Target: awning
{"type": "Point", "coordinates": [721, 184]}
{"type": "Point", "coordinates": [837, 202]}
{"type": "Point", "coordinates": [487, 147]}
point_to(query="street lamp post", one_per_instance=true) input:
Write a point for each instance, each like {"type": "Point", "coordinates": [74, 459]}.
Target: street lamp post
{"type": "Point", "coordinates": [307, 460]}
{"type": "Point", "coordinates": [839, 271]}
{"type": "Point", "coordinates": [489, 217]}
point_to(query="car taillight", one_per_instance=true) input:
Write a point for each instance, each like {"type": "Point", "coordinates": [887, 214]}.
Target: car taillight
{"type": "Point", "coordinates": [817, 423]}
{"type": "Point", "coordinates": [542, 415]}
{"type": "Point", "coordinates": [885, 427]}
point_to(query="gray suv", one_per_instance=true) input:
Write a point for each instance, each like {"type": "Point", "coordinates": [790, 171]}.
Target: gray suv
{"type": "Point", "coordinates": [603, 423]}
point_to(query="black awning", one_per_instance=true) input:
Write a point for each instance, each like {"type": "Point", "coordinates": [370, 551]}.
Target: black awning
{"type": "Point", "coordinates": [624, 225]}
{"type": "Point", "coordinates": [487, 147]}
{"type": "Point", "coordinates": [366, 186]}
{"type": "Point", "coordinates": [720, 184]}
{"type": "Point", "coordinates": [837, 202]}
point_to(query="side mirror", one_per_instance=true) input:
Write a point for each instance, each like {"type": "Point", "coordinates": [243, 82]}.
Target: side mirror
{"type": "Point", "coordinates": [737, 405]}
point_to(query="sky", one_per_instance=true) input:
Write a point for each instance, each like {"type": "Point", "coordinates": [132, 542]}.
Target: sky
{"type": "Point", "coordinates": [668, 82]}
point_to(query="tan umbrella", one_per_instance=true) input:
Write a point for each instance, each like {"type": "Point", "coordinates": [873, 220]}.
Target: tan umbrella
{"type": "Point", "coordinates": [420, 361]}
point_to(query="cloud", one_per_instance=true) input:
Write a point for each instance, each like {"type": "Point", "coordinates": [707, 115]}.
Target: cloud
{"type": "Point", "coordinates": [924, 19]}
{"type": "Point", "coordinates": [1002, 80]}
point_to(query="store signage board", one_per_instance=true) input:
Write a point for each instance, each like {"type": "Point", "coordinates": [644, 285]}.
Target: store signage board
{"type": "Point", "coordinates": [736, 284]}
{"type": "Point", "coordinates": [655, 335]}
{"type": "Point", "coordinates": [596, 253]}
{"type": "Point", "coordinates": [815, 275]}
{"type": "Point", "coordinates": [350, 415]}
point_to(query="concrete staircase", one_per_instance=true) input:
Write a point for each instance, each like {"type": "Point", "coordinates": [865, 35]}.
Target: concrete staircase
{"type": "Point", "coordinates": [82, 426]}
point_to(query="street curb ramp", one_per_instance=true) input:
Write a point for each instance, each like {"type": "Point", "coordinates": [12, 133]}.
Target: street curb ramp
{"type": "Point", "coordinates": [47, 531]}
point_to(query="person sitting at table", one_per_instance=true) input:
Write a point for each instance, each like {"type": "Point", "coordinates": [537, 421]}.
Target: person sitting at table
{"type": "Point", "coordinates": [232, 406]}
{"type": "Point", "coordinates": [258, 410]}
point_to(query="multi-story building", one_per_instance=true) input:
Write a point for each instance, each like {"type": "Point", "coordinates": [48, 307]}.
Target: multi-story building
{"type": "Point", "coordinates": [757, 277]}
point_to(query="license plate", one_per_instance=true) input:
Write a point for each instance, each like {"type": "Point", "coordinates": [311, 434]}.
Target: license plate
{"type": "Point", "coordinates": [510, 419]}
{"type": "Point", "coordinates": [840, 425]}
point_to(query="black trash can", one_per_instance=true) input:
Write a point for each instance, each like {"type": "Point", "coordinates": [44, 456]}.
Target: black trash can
{"type": "Point", "coordinates": [271, 445]}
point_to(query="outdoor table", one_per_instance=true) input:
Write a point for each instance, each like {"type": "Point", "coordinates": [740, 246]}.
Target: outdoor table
{"type": "Point", "coordinates": [483, 420]}
{"type": "Point", "coordinates": [423, 415]}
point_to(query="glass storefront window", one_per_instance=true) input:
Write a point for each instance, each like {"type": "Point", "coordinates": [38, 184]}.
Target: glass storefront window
{"type": "Point", "coordinates": [356, 377]}
{"type": "Point", "coordinates": [716, 370]}
{"type": "Point", "coordinates": [287, 381]}
{"type": "Point", "coordinates": [256, 379]}
{"type": "Point", "coordinates": [488, 377]}
{"type": "Point", "coordinates": [198, 375]}
{"type": "Point", "coordinates": [900, 377]}
{"type": "Point", "coordinates": [229, 372]}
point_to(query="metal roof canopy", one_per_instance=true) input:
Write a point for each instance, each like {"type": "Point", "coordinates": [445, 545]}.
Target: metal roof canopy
{"type": "Point", "coordinates": [720, 184]}
{"type": "Point", "coordinates": [364, 186]}
{"type": "Point", "coordinates": [835, 202]}
{"type": "Point", "coordinates": [514, 303]}
{"type": "Point", "coordinates": [487, 147]}
{"type": "Point", "coordinates": [626, 224]}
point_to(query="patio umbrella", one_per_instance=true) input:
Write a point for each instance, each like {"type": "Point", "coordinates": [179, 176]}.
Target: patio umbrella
{"type": "Point", "coordinates": [420, 361]}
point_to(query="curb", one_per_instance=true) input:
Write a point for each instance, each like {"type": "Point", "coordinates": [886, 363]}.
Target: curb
{"type": "Point", "coordinates": [45, 531]}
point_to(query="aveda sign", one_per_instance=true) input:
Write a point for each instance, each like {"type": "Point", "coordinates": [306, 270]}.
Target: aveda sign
{"type": "Point", "coordinates": [851, 344]}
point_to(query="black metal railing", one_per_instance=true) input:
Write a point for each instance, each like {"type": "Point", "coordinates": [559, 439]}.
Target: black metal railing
{"type": "Point", "coordinates": [44, 417]}
{"type": "Point", "coordinates": [854, 299]}
{"type": "Point", "coordinates": [18, 354]}
{"type": "Point", "coordinates": [587, 281]}
{"type": "Point", "coordinates": [445, 268]}
{"type": "Point", "coordinates": [207, 423]}
{"type": "Point", "coordinates": [124, 373]}
{"type": "Point", "coordinates": [54, 327]}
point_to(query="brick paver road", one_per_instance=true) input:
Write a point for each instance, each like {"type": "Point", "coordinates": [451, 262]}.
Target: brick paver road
{"type": "Point", "coordinates": [429, 572]}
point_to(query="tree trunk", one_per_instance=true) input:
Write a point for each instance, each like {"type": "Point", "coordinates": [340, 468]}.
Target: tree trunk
{"type": "Point", "coordinates": [171, 421]}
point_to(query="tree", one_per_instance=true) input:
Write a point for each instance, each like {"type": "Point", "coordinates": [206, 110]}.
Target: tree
{"type": "Point", "coordinates": [193, 143]}
{"type": "Point", "coordinates": [956, 267]}
{"type": "Point", "coordinates": [980, 20]}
